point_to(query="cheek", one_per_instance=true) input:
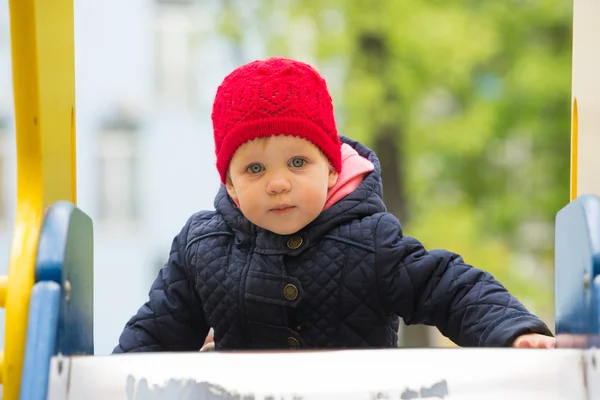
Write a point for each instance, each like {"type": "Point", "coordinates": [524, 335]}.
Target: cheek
{"type": "Point", "coordinates": [314, 191]}
{"type": "Point", "coordinates": [248, 198]}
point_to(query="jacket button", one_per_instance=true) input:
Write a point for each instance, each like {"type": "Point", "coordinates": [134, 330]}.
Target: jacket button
{"type": "Point", "coordinates": [290, 292]}
{"type": "Point", "coordinates": [293, 343]}
{"type": "Point", "coordinates": [294, 242]}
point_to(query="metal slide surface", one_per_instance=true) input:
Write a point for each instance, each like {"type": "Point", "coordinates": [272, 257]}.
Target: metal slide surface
{"type": "Point", "coordinates": [404, 374]}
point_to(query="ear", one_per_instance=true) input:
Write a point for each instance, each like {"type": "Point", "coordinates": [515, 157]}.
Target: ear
{"type": "Point", "coordinates": [231, 190]}
{"type": "Point", "coordinates": [333, 177]}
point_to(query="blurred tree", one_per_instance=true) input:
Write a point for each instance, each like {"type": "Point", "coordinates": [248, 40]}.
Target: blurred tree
{"type": "Point", "coordinates": [467, 105]}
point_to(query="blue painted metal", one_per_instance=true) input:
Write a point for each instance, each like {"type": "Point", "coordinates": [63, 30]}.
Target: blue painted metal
{"type": "Point", "coordinates": [577, 271]}
{"type": "Point", "coordinates": [65, 256]}
{"type": "Point", "coordinates": [44, 309]}
{"type": "Point", "coordinates": [61, 308]}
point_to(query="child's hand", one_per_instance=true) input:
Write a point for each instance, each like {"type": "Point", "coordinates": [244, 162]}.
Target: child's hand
{"type": "Point", "coordinates": [208, 347]}
{"type": "Point", "coordinates": [209, 342]}
{"type": "Point", "coordinates": [535, 341]}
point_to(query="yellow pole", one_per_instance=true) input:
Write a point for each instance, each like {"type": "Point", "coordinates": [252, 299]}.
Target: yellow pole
{"type": "Point", "coordinates": [3, 288]}
{"type": "Point", "coordinates": [44, 95]}
{"type": "Point", "coordinates": [574, 149]}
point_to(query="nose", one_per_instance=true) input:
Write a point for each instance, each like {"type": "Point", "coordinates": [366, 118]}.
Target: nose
{"type": "Point", "coordinates": [278, 184]}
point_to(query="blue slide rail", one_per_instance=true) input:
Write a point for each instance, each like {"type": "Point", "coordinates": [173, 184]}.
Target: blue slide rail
{"type": "Point", "coordinates": [61, 306]}
{"type": "Point", "coordinates": [577, 273]}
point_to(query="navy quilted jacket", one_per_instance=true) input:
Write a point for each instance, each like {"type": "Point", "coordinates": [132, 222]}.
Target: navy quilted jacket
{"type": "Point", "coordinates": [341, 282]}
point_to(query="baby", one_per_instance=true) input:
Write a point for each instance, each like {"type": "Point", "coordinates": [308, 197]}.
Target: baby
{"type": "Point", "coordinates": [300, 252]}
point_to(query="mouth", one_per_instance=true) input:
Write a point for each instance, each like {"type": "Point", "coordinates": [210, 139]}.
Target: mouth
{"type": "Point", "coordinates": [282, 209]}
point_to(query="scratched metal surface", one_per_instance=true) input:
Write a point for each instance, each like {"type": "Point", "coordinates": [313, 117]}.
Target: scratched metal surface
{"type": "Point", "coordinates": [449, 374]}
{"type": "Point", "coordinates": [592, 377]}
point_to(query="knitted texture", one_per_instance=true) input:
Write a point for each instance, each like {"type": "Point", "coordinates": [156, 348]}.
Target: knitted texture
{"type": "Point", "coordinates": [276, 96]}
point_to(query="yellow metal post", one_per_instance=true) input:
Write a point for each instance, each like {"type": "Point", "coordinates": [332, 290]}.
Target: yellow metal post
{"type": "Point", "coordinates": [42, 43]}
{"type": "Point", "coordinates": [574, 149]}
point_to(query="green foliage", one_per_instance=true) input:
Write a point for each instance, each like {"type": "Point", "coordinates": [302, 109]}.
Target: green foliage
{"type": "Point", "coordinates": [479, 91]}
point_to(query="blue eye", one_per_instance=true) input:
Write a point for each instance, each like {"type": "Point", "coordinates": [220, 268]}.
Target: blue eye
{"type": "Point", "coordinates": [297, 162]}
{"type": "Point", "coordinates": [255, 168]}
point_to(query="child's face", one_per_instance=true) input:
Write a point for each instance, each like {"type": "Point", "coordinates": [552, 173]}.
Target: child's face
{"type": "Point", "coordinates": [280, 183]}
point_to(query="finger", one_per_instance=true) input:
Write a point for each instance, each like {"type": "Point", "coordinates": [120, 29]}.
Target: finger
{"type": "Point", "coordinates": [207, 347]}
{"type": "Point", "coordinates": [546, 344]}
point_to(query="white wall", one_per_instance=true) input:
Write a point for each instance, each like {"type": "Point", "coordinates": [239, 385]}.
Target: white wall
{"type": "Point", "coordinates": [586, 89]}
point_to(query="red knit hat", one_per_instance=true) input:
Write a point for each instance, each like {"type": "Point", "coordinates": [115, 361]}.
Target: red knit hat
{"type": "Point", "coordinates": [276, 96]}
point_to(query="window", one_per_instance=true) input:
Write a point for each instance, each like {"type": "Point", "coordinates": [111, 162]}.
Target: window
{"type": "Point", "coordinates": [173, 51]}
{"type": "Point", "coordinates": [118, 169]}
